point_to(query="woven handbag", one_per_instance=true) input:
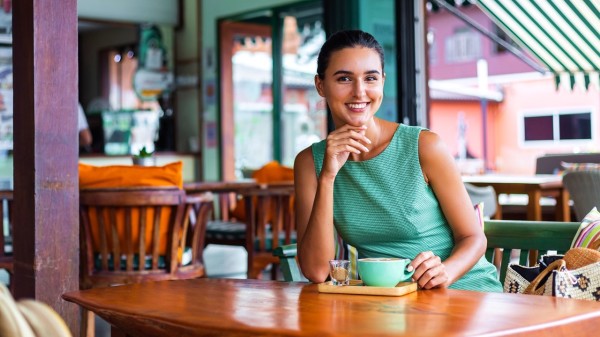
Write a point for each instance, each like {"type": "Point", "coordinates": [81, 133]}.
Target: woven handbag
{"type": "Point", "coordinates": [574, 275]}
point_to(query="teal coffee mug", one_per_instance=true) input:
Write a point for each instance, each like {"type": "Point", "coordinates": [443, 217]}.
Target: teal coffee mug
{"type": "Point", "coordinates": [383, 271]}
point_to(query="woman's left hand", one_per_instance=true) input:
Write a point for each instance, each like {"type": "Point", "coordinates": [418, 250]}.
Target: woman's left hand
{"type": "Point", "coordinates": [430, 272]}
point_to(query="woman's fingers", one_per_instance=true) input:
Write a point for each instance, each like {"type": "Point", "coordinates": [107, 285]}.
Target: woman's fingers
{"type": "Point", "coordinates": [346, 134]}
{"type": "Point", "coordinates": [430, 272]}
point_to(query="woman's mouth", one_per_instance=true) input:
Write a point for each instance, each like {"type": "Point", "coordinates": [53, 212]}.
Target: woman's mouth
{"type": "Point", "coordinates": [357, 106]}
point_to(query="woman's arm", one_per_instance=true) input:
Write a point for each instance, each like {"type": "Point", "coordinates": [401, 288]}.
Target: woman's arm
{"type": "Point", "coordinates": [314, 199]}
{"type": "Point", "coordinates": [441, 173]}
{"type": "Point", "coordinates": [314, 218]}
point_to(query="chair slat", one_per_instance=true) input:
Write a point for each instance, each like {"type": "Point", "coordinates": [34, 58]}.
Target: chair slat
{"type": "Point", "coordinates": [116, 248]}
{"type": "Point", "coordinates": [156, 237]}
{"type": "Point", "coordinates": [103, 237]}
{"type": "Point", "coordinates": [128, 239]}
{"type": "Point", "coordinates": [524, 257]}
{"type": "Point", "coordinates": [142, 239]}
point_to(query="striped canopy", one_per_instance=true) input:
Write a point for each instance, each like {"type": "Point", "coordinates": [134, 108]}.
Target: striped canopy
{"type": "Point", "coordinates": [562, 34]}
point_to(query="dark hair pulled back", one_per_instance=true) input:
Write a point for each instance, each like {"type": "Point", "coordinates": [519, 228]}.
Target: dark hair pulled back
{"type": "Point", "coordinates": [346, 39]}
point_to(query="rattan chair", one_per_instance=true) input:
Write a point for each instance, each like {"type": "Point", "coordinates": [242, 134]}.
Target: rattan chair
{"type": "Point", "coordinates": [584, 188]}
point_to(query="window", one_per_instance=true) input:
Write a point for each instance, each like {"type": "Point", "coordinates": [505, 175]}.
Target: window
{"type": "Point", "coordinates": [497, 48]}
{"type": "Point", "coordinates": [463, 46]}
{"type": "Point", "coordinates": [557, 126]}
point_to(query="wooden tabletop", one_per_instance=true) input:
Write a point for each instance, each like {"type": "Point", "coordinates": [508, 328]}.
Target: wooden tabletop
{"type": "Point", "coordinates": [535, 186]}
{"type": "Point", "coordinates": [233, 307]}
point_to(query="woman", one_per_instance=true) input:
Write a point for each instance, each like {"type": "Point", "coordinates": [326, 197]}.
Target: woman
{"type": "Point", "coordinates": [391, 190]}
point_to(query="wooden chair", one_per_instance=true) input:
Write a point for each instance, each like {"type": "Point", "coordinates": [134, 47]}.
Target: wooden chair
{"type": "Point", "coordinates": [6, 247]}
{"type": "Point", "coordinates": [524, 235]}
{"type": "Point", "coordinates": [151, 231]}
{"type": "Point", "coordinates": [528, 236]}
{"type": "Point", "coordinates": [139, 257]}
{"type": "Point", "coordinates": [270, 216]}
{"type": "Point", "coordinates": [269, 225]}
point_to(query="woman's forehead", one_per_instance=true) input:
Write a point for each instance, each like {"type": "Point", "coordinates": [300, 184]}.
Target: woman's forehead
{"type": "Point", "coordinates": [354, 59]}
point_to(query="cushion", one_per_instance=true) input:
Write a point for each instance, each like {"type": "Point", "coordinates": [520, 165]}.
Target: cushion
{"type": "Point", "coordinates": [131, 176]}
{"type": "Point", "coordinates": [589, 230]}
{"type": "Point", "coordinates": [568, 167]}
{"type": "Point", "coordinates": [270, 173]}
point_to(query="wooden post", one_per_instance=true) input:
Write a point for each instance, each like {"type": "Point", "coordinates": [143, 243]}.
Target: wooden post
{"type": "Point", "coordinates": [46, 230]}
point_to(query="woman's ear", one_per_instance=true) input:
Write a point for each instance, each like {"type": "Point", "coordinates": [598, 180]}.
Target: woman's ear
{"type": "Point", "coordinates": [319, 85]}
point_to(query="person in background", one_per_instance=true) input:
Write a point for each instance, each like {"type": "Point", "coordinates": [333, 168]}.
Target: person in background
{"type": "Point", "coordinates": [390, 190]}
{"type": "Point", "coordinates": [85, 135]}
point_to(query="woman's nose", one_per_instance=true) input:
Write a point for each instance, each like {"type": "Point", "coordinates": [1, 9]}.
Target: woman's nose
{"type": "Point", "coordinates": [359, 88]}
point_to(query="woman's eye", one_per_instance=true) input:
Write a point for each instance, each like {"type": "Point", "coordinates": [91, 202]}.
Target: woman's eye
{"type": "Point", "coordinates": [343, 79]}
{"type": "Point", "coordinates": [371, 78]}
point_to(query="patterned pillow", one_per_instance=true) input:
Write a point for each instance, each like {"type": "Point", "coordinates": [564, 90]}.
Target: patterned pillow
{"type": "Point", "coordinates": [589, 230]}
{"type": "Point", "coordinates": [568, 167]}
{"type": "Point", "coordinates": [344, 251]}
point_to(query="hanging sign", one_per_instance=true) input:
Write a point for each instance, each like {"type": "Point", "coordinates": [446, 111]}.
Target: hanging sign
{"type": "Point", "coordinates": [152, 78]}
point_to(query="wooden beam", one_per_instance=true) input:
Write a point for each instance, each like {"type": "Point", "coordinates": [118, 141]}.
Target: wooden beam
{"type": "Point", "coordinates": [46, 226]}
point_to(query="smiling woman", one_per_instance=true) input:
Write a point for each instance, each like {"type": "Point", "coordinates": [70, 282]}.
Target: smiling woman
{"type": "Point", "coordinates": [390, 190]}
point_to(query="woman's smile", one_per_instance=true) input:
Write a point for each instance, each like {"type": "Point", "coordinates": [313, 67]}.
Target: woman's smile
{"type": "Point", "coordinates": [357, 107]}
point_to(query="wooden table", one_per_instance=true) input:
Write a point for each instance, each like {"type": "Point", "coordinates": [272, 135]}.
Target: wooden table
{"type": "Point", "coordinates": [534, 186]}
{"type": "Point", "coordinates": [230, 307]}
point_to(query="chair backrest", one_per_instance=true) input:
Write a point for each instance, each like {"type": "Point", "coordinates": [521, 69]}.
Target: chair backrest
{"type": "Point", "coordinates": [527, 236]}
{"type": "Point", "coordinates": [542, 236]}
{"type": "Point", "coordinates": [132, 235]}
{"type": "Point", "coordinates": [550, 163]}
{"type": "Point", "coordinates": [584, 188]}
{"type": "Point", "coordinates": [485, 194]}
{"type": "Point", "coordinates": [6, 245]}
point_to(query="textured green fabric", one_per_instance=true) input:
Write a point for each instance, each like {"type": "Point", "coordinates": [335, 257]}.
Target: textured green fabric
{"type": "Point", "coordinates": [384, 208]}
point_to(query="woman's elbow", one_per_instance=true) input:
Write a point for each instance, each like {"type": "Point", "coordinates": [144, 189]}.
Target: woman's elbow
{"type": "Point", "coordinates": [315, 275]}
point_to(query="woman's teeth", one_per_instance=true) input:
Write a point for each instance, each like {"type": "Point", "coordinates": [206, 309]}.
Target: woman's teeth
{"type": "Point", "coordinates": [357, 106]}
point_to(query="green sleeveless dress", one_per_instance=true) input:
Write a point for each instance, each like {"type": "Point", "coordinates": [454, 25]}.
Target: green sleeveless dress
{"type": "Point", "coordinates": [384, 208]}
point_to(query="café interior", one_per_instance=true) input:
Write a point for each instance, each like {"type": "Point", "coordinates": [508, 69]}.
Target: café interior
{"type": "Point", "coordinates": [196, 112]}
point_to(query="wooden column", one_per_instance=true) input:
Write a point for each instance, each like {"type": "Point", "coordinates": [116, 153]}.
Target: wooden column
{"type": "Point", "coordinates": [46, 230]}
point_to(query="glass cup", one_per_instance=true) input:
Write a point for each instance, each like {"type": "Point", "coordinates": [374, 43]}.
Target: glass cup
{"type": "Point", "coordinates": [339, 270]}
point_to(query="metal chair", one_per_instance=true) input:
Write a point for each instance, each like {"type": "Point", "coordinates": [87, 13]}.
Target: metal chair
{"type": "Point", "coordinates": [584, 188]}
{"type": "Point", "coordinates": [485, 194]}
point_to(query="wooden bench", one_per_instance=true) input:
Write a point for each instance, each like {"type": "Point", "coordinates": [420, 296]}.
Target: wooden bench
{"type": "Point", "coordinates": [502, 237]}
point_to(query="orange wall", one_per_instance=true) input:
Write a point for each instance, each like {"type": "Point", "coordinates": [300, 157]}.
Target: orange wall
{"type": "Point", "coordinates": [515, 157]}
{"type": "Point", "coordinates": [506, 151]}
{"type": "Point", "coordinates": [443, 120]}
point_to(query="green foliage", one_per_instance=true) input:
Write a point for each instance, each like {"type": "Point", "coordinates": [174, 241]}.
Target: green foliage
{"type": "Point", "coordinates": [144, 153]}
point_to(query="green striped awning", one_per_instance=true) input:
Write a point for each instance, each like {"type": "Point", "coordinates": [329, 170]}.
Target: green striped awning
{"type": "Point", "coordinates": [562, 34]}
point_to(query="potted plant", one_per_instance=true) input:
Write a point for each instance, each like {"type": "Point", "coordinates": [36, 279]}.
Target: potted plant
{"type": "Point", "coordinates": [144, 158]}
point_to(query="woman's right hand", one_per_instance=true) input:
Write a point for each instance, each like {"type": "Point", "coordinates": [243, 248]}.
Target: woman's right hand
{"type": "Point", "coordinates": [340, 143]}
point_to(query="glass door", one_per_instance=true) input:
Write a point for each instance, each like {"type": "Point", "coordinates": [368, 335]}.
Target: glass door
{"type": "Point", "coordinates": [269, 107]}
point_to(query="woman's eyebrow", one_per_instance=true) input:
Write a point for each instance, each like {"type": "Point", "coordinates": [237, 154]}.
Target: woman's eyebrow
{"type": "Point", "coordinates": [347, 72]}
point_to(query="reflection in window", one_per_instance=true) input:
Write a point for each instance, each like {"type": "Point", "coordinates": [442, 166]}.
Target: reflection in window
{"type": "Point", "coordinates": [558, 126]}
{"type": "Point", "coordinates": [575, 126]}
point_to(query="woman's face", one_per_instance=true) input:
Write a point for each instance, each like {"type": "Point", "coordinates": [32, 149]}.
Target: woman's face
{"type": "Point", "coordinates": [352, 85]}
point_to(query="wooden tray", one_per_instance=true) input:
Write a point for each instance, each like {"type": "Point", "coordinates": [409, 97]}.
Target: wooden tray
{"type": "Point", "coordinates": [356, 287]}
